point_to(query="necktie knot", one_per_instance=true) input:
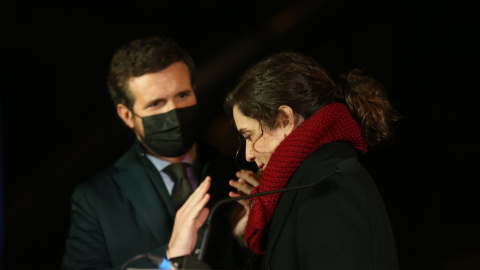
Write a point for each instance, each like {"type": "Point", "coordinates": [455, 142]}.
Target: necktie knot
{"type": "Point", "coordinates": [182, 187]}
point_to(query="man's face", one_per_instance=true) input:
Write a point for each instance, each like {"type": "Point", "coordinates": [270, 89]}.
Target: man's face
{"type": "Point", "coordinates": [156, 93]}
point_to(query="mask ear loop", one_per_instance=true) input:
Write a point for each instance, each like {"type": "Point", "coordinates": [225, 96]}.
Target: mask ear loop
{"type": "Point", "coordinates": [135, 114]}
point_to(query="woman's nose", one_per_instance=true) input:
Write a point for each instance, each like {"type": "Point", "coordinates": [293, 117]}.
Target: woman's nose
{"type": "Point", "coordinates": [249, 153]}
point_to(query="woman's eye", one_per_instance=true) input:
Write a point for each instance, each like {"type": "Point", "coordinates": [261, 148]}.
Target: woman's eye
{"type": "Point", "coordinates": [248, 138]}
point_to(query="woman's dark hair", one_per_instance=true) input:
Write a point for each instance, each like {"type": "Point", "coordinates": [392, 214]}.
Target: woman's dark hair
{"type": "Point", "coordinates": [298, 81]}
{"type": "Point", "coordinates": [139, 57]}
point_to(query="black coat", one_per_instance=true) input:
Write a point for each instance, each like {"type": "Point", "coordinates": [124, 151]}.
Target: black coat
{"type": "Point", "coordinates": [120, 213]}
{"type": "Point", "coordinates": [338, 224]}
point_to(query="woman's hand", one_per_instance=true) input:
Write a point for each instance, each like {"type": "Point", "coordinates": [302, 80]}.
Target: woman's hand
{"type": "Point", "coordinates": [188, 219]}
{"type": "Point", "coordinates": [247, 180]}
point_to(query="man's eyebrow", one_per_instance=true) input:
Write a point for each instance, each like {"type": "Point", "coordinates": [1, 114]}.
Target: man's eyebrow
{"type": "Point", "coordinates": [185, 91]}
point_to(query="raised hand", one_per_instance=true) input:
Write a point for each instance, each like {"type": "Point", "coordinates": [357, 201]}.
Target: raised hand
{"type": "Point", "coordinates": [188, 219]}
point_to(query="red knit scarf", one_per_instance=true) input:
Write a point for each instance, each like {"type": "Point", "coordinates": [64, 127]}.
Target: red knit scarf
{"type": "Point", "coordinates": [329, 124]}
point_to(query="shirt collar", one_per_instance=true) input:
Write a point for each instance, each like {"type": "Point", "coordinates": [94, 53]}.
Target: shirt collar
{"type": "Point", "coordinates": [160, 164]}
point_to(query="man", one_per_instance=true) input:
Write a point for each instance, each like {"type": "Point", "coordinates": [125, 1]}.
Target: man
{"type": "Point", "coordinates": [129, 209]}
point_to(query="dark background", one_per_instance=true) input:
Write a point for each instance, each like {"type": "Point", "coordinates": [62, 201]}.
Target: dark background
{"type": "Point", "coordinates": [59, 126]}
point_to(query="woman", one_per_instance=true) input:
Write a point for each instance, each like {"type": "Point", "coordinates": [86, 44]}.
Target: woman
{"type": "Point", "coordinates": [298, 124]}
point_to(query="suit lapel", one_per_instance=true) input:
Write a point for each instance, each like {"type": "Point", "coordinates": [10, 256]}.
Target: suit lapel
{"type": "Point", "coordinates": [135, 179]}
{"type": "Point", "coordinates": [157, 181]}
{"type": "Point", "coordinates": [138, 190]}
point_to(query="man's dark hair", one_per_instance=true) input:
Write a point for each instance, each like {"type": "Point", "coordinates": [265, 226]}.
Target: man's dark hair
{"type": "Point", "coordinates": [141, 56]}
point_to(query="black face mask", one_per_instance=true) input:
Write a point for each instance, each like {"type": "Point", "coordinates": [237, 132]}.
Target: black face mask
{"type": "Point", "coordinates": [173, 133]}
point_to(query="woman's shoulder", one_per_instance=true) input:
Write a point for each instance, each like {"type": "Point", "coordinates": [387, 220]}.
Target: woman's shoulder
{"type": "Point", "coordinates": [323, 161]}
{"type": "Point", "coordinates": [329, 154]}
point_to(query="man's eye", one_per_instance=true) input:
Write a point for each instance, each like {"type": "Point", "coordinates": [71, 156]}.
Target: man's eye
{"type": "Point", "coordinates": [183, 95]}
{"type": "Point", "coordinates": [155, 104]}
{"type": "Point", "coordinates": [248, 138]}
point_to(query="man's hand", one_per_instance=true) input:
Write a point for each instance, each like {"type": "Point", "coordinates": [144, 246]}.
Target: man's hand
{"type": "Point", "coordinates": [189, 218]}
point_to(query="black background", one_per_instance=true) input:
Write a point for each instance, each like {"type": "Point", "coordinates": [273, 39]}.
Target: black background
{"type": "Point", "coordinates": [59, 126]}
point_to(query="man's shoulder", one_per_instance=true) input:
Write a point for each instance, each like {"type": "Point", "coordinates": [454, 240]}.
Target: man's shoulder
{"type": "Point", "coordinates": [105, 177]}
{"type": "Point", "coordinates": [101, 180]}
{"type": "Point", "coordinates": [212, 160]}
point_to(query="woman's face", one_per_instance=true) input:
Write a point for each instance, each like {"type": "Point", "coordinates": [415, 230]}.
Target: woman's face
{"type": "Point", "coordinates": [259, 145]}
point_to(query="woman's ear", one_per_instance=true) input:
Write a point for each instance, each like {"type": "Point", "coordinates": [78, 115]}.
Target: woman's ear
{"type": "Point", "coordinates": [286, 118]}
{"type": "Point", "coordinates": [125, 114]}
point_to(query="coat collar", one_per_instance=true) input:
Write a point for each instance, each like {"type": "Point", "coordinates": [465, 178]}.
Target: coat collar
{"type": "Point", "coordinates": [284, 206]}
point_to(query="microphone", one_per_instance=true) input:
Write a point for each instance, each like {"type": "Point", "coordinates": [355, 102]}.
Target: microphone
{"type": "Point", "coordinates": [182, 262]}
{"type": "Point", "coordinates": [159, 262]}
{"type": "Point", "coordinates": [344, 167]}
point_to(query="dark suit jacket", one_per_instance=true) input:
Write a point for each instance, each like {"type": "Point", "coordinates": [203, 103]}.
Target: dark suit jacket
{"type": "Point", "coordinates": [338, 224]}
{"type": "Point", "coordinates": [120, 213]}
